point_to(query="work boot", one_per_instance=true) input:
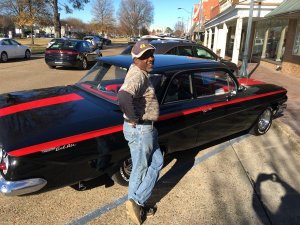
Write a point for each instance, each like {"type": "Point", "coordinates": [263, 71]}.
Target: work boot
{"type": "Point", "coordinates": [134, 211]}
{"type": "Point", "coordinates": [149, 210]}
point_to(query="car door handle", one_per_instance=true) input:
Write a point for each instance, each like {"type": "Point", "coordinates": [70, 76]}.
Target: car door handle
{"type": "Point", "coordinates": [206, 110]}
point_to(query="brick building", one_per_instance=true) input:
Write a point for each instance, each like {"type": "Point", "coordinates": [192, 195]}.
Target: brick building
{"type": "Point", "coordinates": [275, 35]}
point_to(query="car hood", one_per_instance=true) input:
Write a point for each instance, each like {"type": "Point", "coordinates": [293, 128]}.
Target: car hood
{"type": "Point", "coordinates": [33, 121]}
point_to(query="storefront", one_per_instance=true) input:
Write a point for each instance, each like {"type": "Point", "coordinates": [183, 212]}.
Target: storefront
{"type": "Point", "coordinates": [285, 21]}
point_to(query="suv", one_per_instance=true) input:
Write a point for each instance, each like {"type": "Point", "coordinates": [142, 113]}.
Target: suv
{"type": "Point", "coordinates": [186, 48]}
{"type": "Point", "coordinates": [95, 41]}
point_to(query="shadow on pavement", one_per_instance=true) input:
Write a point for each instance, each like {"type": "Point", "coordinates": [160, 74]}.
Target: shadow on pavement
{"type": "Point", "coordinates": [289, 205]}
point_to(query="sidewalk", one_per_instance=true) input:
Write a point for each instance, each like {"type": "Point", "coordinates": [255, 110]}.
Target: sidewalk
{"type": "Point", "coordinates": [290, 121]}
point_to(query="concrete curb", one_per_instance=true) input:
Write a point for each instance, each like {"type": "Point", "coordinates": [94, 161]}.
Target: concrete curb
{"type": "Point", "coordinates": [293, 138]}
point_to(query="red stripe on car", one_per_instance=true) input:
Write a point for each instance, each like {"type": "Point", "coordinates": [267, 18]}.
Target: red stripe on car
{"type": "Point", "coordinates": [215, 105]}
{"type": "Point", "coordinates": [109, 130]}
{"type": "Point", "coordinates": [39, 103]}
{"type": "Point", "coordinates": [249, 82]}
{"type": "Point", "coordinates": [64, 141]}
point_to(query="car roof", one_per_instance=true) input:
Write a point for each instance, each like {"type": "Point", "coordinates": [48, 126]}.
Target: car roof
{"type": "Point", "coordinates": [164, 63]}
{"type": "Point", "coordinates": [163, 46]}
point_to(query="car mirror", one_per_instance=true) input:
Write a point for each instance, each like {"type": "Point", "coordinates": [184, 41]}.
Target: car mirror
{"type": "Point", "coordinates": [241, 88]}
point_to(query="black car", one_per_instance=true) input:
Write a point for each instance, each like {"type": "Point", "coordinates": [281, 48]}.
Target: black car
{"type": "Point", "coordinates": [106, 41]}
{"type": "Point", "coordinates": [71, 53]}
{"type": "Point", "coordinates": [61, 136]}
{"type": "Point", "coordinates": [185, 48]}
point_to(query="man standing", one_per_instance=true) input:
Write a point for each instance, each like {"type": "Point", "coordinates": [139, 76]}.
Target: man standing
{"type": "Point", "coordinates": [140, 107]}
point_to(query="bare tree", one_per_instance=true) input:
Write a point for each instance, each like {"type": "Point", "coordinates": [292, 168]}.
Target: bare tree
{"type": "Point", "coordinates": [135, 14]}
{"type": "Point", "coordinates": [179, 28]}
{"type": "Point", "coordinates": [25, 12]}
{"type": "Point", "coordinates": [36, 12]}
{"type": "Point", "coordinates": [6, 23]}
{"type": "Point", "coordinates": [56, 5]}
{"type": "Point", "coordinates": [103, 15]}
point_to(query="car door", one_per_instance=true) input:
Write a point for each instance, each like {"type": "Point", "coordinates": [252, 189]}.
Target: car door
{"type": "Point", "coordinates": [90, 52]}
{"type": "Point", "coordinates": [18, 49]}
{"type": "Point", "coordinates": [178, 131]}
{"type": "Point", "coordinates": [214, 89]}
{"type": "Point", "coordinates": [8, 48]}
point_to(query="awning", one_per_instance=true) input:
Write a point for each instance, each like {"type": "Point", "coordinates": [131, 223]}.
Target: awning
{"type": "Point", "coordinates": [286, 7]}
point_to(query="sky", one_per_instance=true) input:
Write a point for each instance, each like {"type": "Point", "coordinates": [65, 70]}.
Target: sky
{"type": "Point", "coordinates": [166, 12]}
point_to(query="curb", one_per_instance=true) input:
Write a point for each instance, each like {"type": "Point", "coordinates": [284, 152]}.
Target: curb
{"type": "Point", "coordinates": [293, 138]}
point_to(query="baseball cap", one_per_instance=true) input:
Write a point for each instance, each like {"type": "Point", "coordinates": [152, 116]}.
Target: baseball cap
{"type": "Point", "coordinates": [140, 48]}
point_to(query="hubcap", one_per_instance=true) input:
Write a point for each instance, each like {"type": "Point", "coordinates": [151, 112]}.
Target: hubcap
{"type": "Point", "coordinates": [4, 57]}
{"type": "Point", "coordinates": [264, 120]}
{"type": "Point", "coordinates": [126, 169]}
{"type": "Point", "coordinates": [84, 63]}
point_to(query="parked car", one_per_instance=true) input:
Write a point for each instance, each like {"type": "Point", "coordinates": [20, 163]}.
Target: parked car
{"type": "Point", "coordinates": [10, 49]}
{"type": "Point", "coordinates": [185, 48]}
{"type": "Point", "coordinates": [106, 41]}
{"type": "Point", "coordinates": [96, 41]}
{"type": "Point", "coordinates": [55, 40]}
{"type": "Point", "coordinates": [71, 53]}
{"type": "Point", "coordinates": [61, 136]}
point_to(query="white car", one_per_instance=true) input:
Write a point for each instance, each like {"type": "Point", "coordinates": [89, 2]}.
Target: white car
{"type": "Point", "coordinates": [10, 48]}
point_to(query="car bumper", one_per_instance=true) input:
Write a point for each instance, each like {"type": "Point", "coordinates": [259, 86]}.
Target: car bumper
{"type": "Point", "coordinates": [64, 63]}
{"type": "Point", "coordinates": [21, 187]}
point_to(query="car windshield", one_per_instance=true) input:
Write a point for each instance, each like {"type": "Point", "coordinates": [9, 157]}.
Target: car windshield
{"type": "Point", "coordinates": [67, 44]}
{"type": "Point", "coordinates": [105, 80]}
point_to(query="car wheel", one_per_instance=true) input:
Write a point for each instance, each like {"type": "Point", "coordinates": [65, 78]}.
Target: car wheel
{"type": "Point", "coordinates": [27, 54]}
{"type": "Point", "coordinates": [122, 175]}
{"type": "Point", "coordinates": [3, 57]}
{"type": "Point", "coordinates": [84, 64]}
{"type": "Point", "coordinates": [264, 122]}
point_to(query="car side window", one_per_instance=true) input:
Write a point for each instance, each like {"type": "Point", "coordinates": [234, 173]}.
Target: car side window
{"type": "Point", "coordinates": [85, 45]}
{"type": "Point", "coordinates": [213, 83]}
{"type": "Point", "coordinates": [13, 42]}
{"type": "Point", "coordinates": [173, 51]}
{"type": "Point", "coordinates": [180, 88]}
{"type": "Point", "coordinates": [6, 42]}
{"type": "Point", "coordinates": [185, 50]}
{"type": "Point", "coordinates": [203, 53]}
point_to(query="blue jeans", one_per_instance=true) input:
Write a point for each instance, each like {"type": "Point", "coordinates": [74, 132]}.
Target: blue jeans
{"type": "Point", "coordinates": [147, 160]}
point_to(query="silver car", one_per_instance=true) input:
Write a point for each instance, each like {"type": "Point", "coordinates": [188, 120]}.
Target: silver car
{"type": "Point", "coordinates": [10, 48]}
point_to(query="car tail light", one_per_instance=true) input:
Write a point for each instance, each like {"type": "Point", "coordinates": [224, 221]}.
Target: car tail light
{"type": "Point", "coordinates": [68, 52]}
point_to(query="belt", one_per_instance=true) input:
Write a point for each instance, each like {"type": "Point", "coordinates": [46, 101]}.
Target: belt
{"type": "Point", "coordinates": [141, 122]}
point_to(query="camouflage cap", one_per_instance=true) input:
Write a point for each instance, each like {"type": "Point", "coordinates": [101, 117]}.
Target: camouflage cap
{"type": "Point", "coordinates": [140, 48]}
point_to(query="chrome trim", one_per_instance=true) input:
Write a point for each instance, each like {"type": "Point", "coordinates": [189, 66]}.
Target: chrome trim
{"type": "Point", "coordinates": [21, 187]}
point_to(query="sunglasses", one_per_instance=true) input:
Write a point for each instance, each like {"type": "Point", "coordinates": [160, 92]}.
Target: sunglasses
{"type": "Point", "coordinates": [147, 55]}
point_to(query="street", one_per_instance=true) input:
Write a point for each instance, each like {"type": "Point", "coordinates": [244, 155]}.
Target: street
{"type": "Point", "coordinates": [245, 180]}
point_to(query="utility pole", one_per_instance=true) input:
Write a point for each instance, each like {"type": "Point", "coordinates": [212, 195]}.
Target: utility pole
{"type": "Point", "coordinates": [243, 71]}
{"type": "Point", "coordinates": [191, 12]}
{"type": "Point", "coordinates": [200, 17]}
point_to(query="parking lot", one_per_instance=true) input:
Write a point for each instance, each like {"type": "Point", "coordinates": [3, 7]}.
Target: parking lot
{"type": "Point", "coordinates": [247, 180]}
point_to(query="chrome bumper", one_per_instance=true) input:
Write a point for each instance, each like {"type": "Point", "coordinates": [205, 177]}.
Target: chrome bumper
{"type": "Point", "coordinates": [21, 187]}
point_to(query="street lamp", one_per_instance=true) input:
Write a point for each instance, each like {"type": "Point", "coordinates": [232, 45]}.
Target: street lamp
{"type": "Point", "coordinates": [191, 13]}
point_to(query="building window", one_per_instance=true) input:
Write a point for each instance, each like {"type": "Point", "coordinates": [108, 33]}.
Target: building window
{"type": "Point", "coordinates": [296, 47]}
{"type": "Point", "coordinates": [274, 26]}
